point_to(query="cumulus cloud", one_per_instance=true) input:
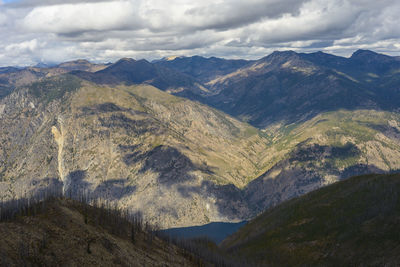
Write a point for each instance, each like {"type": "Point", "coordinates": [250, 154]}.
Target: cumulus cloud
{"type": "Point", "coordinates": [23, 47]}
{"type": "Point", "coordinates": [36, 3]}
{"type": "Point", "coordinates": [104, 30]}
{"type": "Point", "coordinates": [81, 17]}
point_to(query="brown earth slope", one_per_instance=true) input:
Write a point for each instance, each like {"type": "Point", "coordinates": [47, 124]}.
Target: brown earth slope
{"type": "Point", "coordinates": [60, 234]}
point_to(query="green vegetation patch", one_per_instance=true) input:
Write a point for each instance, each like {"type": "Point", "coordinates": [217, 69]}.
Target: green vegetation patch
{"type": "Point", "coordinates": [53, 88]}
{"type": "Point", "coordinates": [350, 223]}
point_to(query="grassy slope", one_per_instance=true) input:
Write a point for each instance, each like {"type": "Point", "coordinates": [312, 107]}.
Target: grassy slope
{"type": "Point", "coordinates": [375, 133]}
{"type": "Point", "coordinates": [228, 148]}
{"type": "Point", "coordinates": [354, 222]}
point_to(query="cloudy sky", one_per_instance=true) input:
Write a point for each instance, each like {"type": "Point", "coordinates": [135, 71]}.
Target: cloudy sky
{"type": "Point", "coordinates": [33, 31]}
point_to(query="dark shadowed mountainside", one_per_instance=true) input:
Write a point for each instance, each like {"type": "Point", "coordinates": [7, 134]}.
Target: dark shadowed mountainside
{"type": "Point", "coordinates": [201, 68]}
{"type": "Point", "coordinates": [350, 223]}
{"type": "Point", "coordinates": [291, 87]}
{"type": "Point", "coordinates": [129, 71]}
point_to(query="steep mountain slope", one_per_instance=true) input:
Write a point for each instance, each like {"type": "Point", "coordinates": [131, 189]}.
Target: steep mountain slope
{"type": "Point", "coordinates": [113, 133]}
{"type": "Point", "coordinates": [68, 233]}
{"type": "Point", "coordinates": [82, 65]}
{"type": "Point", "coordinates": [137, 145]}
{"type": "Point", "coordinates": [330, 147]}
{"type": "Point", "coordinates": [13, 77]}
{"type": "Point", "coordinates": [350, 223]}
{"type": "Point", "coordinates": [201, 68]}
{"type": "Point", "coordinates": [129, 71]}
{"type": "Point", "coordinates": [161, 154]}
{"type": "Point", "coordinates": [290, 87]}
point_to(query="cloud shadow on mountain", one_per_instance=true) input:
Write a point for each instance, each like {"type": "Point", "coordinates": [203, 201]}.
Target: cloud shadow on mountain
{"type": "Point", "coordinates": [171, 165]}
{"type": "Point", "coordinates": [112, 189]}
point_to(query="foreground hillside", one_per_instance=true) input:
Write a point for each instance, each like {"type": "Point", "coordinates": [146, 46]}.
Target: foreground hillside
{"type": "Point", "coordinates": [350, 223]}
{"type": "Point", "coordinates": [63, 232]}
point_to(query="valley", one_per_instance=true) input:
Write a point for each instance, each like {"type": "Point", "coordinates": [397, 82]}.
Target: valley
{"type": "Point", "coordinates": [193, 140]}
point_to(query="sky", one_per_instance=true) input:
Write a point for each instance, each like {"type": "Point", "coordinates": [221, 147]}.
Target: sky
{"type": "Point", "coordinates": [52, 31]}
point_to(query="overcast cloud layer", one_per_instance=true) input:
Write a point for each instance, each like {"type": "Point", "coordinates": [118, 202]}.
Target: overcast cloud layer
{"type": "Point", "coordinates": [102, 31]}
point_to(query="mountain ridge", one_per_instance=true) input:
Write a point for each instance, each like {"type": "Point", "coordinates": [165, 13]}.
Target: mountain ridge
{"type": "Point", "coordinates": [157, 139]}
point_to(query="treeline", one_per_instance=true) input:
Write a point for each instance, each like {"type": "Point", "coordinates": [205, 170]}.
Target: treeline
{"type": "Point", "coordinates": [28, 205]}
{"type": "Point", "coordinates": [117, 221]}
{"type": "Point", "coordinates": [95, 210]}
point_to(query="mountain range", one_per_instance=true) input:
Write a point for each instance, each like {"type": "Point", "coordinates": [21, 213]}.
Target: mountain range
{"type": "Point", "coordinates": [192, 140]}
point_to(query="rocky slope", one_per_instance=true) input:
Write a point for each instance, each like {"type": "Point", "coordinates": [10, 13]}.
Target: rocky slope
{"type": "Point", "coordinates": [137, 145]}
{"type": "Point", "coordinates": [330, 147]}
{"type": "Point", "coordinates": [11, 77]}
{"type": "Point", "coordinates": [203, 69]}
{"type": "Point", "coordinates": [82, 65]}
{"type": "Point", "coordinates": [350, 223]}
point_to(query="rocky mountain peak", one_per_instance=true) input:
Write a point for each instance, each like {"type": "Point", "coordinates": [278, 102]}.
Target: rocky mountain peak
{"type": "Point", "coordinates": [370, 56]}
{"type": "Point", "coordinates": [279, 56]}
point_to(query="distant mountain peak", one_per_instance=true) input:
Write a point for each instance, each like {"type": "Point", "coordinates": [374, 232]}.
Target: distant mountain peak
{"type": "Point", "coordinates": [75, 62]}
{"type": "Point", "coordinates": [370, 57]}
{"type": "Point", "coordinates": [80, 61]}
{"type": "Point", "coordinates": [125, 59]}
{"type": "Point", "coordinates": [280, 55]}
{"type": "Point", "coordinates": [143, 61]}
{"type": "Point", "coordinates": [170, 58]}
{"type": "Point", "coordinates": [80, 64]}
{"type": "Point", "coordinates": [286, 52]}
{"type": "Point", "coordinates": [321, 53]}
{"type": "Point", "coordinates": [130, 62]}
{"type": "Point", "coordinates": [363, 53]}
{"type": "Point", "coordinates": [129, 65]}
{"type": "Point", "coordinates": [42, 65]}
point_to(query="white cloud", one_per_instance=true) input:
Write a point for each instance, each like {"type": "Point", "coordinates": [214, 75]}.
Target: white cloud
{"type": "Point", "coordinates": [70, 18]}
{"type": "Point", "coordinates": [23, 47]}
{"type": "Point", "coordinates": [316, 20]}
{"type": "Point", "coordinates": [59, 30]}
